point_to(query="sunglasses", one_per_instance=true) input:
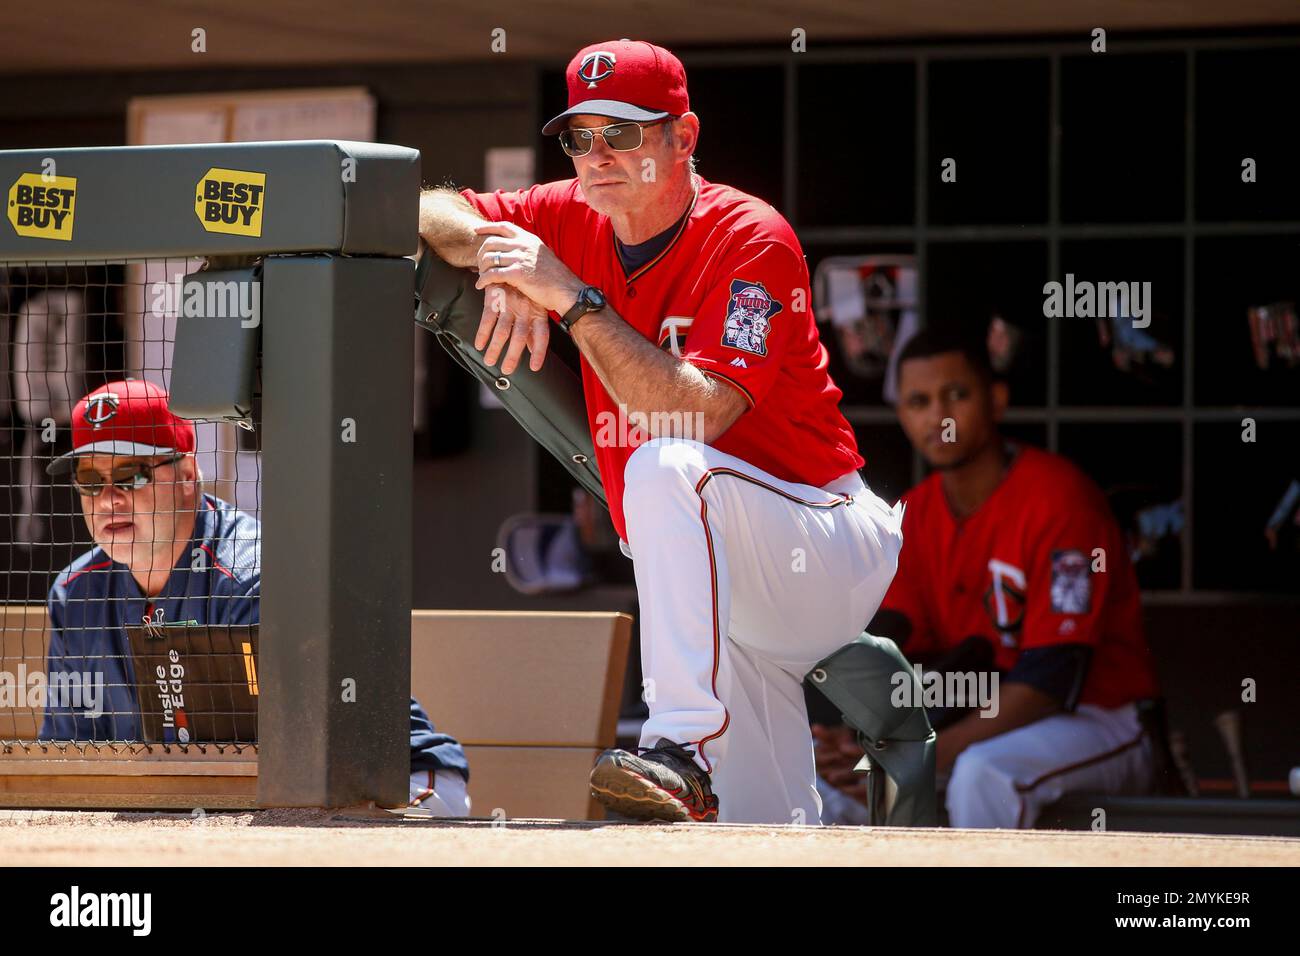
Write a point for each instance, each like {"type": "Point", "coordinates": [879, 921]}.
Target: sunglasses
{"type": "Point", "coordinates": [622, 137]}
{"type": "Point", "coordinates": [128, 476]}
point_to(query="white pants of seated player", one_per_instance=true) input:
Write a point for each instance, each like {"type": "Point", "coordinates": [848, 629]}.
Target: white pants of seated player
{"type": "Point", "coordinates": [745, 582]}
{"type": "Point", "coordinates": [450, 797]}
{"type": "Point", "coordinates": [1007, 780]}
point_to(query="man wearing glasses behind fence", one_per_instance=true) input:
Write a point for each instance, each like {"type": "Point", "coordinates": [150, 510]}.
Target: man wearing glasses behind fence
{"type": "Point", "coordinates": [168, 553]}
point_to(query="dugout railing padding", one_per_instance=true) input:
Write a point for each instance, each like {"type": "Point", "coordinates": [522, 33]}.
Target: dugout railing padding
{"type": "Point", "coordinates": [332, 223]}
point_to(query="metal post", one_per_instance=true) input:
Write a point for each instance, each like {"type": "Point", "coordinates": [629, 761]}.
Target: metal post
{"type": "Point", "coordinates": [338, 375]}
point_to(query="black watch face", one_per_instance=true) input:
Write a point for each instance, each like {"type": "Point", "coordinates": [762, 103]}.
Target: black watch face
{"type": "Point", "coordinates": [595, 299]}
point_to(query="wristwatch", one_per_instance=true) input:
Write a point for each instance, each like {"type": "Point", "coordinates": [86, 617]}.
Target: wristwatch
{"type": "Point", "coordinates": [590, 299]}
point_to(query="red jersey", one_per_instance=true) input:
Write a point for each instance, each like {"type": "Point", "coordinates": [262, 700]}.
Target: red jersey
{"type": "Point", "coordinates": [729, 294]}
{"type": "Point", "coordinates": [1019, 572]}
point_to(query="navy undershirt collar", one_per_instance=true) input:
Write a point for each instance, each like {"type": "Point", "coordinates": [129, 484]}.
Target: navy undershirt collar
{"type": "Point", "coordinates": [634, 257]}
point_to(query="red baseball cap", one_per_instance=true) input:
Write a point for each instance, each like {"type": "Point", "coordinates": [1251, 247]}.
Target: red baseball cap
{"type": "Point", "coordinates": [125, 418]}
{"type": "Point", "coordinates": [624, 79]}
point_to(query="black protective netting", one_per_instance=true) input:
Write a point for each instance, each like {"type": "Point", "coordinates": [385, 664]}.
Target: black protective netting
{"type": "Point", "coordinates": [130, 580]}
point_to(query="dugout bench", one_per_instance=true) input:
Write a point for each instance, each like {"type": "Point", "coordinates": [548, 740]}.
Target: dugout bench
{"type": "Point", "coordinates": [533, 698]}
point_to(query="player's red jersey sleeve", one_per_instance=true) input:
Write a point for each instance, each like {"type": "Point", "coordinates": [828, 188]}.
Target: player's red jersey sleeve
{"type": "Point", "coordinates": [536, 208]}
{"type": "Point", "coordinates": [1066, 596]}
{"type": "Point", "coordinates": [758, 301]}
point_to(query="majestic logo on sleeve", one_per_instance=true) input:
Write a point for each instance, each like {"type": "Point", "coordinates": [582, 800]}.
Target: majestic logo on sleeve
{"type": "Point", "coordinates": [749, 317]}
{"type": "Point", "coordinates": [596, 66]}
{"type": "Point", "coordinates": [672, 333]}
{"type": "Point", "coordinates": [1005, 600]}
{"type": "Point", "coordinates": [1071, 585]}
{"type": "Point", "coordinates": [100, 408]}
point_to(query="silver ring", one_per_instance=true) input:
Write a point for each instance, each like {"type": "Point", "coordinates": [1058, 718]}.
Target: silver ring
{"type": "Point", "coordinates": [498, 256]}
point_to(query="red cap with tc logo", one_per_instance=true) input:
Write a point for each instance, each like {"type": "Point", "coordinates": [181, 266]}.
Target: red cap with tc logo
{"type": "Point", "coordinates": [128, 418]}
{"type": "Point", "coordinates": [626, 80]}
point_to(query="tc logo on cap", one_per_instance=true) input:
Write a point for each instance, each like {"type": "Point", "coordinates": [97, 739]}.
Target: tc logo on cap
{"type": "Point", "coordinates": [596, 66]}
{"type": "Point", "coordinates": [100, 408]}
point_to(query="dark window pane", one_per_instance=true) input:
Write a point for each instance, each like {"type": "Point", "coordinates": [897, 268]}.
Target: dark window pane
{"type": "Point", "coordinates": [1139, 467]}
{"type": "Point", "coordinates": [857, 144]}
{"type": "Point", "coordinates": [1122, 134]}
{"type": "Point", "coordinates": [1238, 487]}
{"type": "Point", "coordinates": [968, 283]}
{"type": "Point", "coordinates": [991, 117]}
{"type": "Point", "coordinates": [1233, 276]}
{"type": "Point", "coordinates": [740, 122]}
{"type": "Point", "coordinates": [1245, 107]}
{"type": "Point", "coordinates": [1111, 361]}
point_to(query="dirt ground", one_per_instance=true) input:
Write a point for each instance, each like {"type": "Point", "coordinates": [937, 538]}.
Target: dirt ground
{"type": "Point", "coordinates": [352, 838]}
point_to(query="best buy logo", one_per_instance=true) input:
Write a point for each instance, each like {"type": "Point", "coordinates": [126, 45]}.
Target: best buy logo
{"type": "Point", "coordinates": [230, 201]}
{"type": "Point", "coordinates": [43, 206]}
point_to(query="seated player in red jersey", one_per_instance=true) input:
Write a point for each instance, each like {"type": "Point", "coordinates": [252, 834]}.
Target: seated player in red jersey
{"type": "Point", "coordinates": [1013, 563]}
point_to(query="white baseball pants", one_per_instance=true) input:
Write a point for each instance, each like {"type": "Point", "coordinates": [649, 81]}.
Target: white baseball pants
{"type": "Point", "coordinates": [442, 791]}
{"type": "Point", "coordinates": [1007, 780]}
{"type": "Point", "coordinates": [745, 582]}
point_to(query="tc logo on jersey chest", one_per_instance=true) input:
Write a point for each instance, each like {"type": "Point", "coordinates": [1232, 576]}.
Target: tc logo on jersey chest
{"type": "Point", "coordinates": [672, 333]}
{"type": "Point", "coordinates": [749, 317]}
{"type": "Point", "coordinates": [1005, 600]}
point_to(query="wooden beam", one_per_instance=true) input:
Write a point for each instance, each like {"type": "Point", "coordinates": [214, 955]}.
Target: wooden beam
{"type": "Point", "coordinates": [107, 780]}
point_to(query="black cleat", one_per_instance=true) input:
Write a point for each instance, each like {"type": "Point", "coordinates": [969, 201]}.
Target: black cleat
{"type": "Point", "coordinates": [656, 783]}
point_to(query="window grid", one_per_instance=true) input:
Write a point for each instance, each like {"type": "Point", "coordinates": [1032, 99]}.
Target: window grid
{"type": "Point", "coordinates": [1054, 232]}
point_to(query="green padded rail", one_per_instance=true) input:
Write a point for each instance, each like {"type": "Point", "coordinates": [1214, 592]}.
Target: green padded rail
{"type": "Point", "coordinates": [112, 203]}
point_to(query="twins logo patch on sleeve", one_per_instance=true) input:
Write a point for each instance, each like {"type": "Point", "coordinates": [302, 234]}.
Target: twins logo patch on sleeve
{"type": "Point", "coordinates": [749, 317]}
{"type": "Point", "coordinates": [1071, 583]}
